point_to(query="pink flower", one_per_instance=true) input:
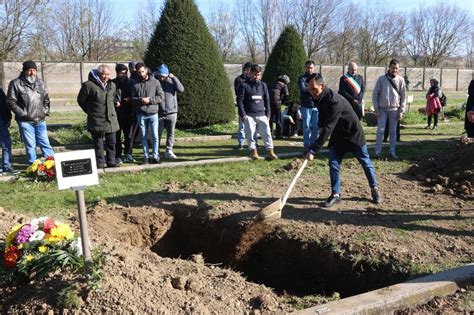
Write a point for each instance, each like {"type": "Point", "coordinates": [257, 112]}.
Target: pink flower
{"type": "Point", "coordinates": [24, 234]}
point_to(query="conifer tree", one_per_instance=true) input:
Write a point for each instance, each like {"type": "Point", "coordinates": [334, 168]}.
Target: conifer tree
{"type": "Point", "coordinates": [183, 42]}
{"type": "Point", "coordinates": [287, 57]}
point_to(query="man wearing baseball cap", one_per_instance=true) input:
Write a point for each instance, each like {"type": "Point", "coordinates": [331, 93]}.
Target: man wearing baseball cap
{"type": "Point", "coordinates": [28, 99]}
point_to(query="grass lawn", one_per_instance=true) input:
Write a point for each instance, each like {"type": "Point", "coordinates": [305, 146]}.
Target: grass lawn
{"type": "Point", "coordinates": [25, 196]}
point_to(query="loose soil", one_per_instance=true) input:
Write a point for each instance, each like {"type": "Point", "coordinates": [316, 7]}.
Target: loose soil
{"type": "Point", "coordinates": [194, 248]}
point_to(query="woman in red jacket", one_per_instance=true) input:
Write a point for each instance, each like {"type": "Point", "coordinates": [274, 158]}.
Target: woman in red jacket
{"type": "Point", "coordinates": [433, 104]}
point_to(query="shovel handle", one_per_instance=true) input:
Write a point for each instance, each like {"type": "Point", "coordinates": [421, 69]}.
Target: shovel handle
{"type": "Point", "coordinates": [293, 182]}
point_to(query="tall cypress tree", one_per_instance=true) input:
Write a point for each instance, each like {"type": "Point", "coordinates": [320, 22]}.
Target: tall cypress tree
{"type": "Point", "coordinates": [287, 57]}
{"type": "Point", "coordinates": [183, 42]}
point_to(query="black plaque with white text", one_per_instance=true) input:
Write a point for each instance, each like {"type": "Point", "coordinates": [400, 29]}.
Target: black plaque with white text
{"type": "Point", "coordinates": [76, 167]}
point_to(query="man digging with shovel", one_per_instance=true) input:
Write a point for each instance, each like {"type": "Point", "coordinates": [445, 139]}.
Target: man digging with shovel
{"type": "Point", "coordinates": [338, 120]}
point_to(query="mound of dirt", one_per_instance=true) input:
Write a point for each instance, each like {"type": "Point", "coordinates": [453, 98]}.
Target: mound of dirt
{"type": "Point", "coordinates": [137, 280]}
{"type": "Point", "coordinates": [450, 172]}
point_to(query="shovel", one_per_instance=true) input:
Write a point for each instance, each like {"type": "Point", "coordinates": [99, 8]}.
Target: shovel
{"type": "Point", "coordinates": [273, 211]}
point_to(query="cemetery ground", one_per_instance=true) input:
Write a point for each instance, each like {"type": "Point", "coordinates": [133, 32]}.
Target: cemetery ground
{"type": "Point", "coordinates": [183, 239]}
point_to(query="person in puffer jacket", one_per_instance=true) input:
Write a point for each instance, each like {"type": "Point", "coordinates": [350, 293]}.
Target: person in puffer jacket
{"type": "Point", "coordinates": [168, 111]}
{"type": "Point", "coordinates": [146, 96]}
{"type": "Point", "coordinates": [97, 98]}
{"type": "Point", "coordinates": [253, 103]}
{"type": "Point", "coordinates": [28, 99]}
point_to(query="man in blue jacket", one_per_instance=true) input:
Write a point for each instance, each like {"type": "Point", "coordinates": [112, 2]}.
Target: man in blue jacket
{"type": "Point", "coordinates": [253, 102]}
{"type": "Point", "coordinates": [309, 112]}
{"type": "Point", "coordinates": [338, 120]}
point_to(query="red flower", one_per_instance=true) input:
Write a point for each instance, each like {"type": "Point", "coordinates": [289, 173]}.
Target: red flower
{"type": "Point", "coordinates": [48, 225]}
{"type": "Point", "coordinates": [41, 168]}
{"type": "Point", "coordinates": [10, 257]}
{"type": "Point", "coordinates": [49, 158]}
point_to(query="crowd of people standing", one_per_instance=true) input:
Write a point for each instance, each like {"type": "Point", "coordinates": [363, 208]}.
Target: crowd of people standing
{"type": "Point", "coordinates": [142, 104]}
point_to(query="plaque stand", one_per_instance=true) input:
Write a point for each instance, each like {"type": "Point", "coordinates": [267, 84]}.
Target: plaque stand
{"type": "Point", "coordinates": [81, 206]}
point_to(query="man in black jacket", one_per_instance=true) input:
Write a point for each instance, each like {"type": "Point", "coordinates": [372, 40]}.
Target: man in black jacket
{"type": "Point", "coordinates": [125, 115]}
{"type": "Point", "coordinates": [28, 99]}
{"type": "Point", "coordinates": [5, 139]}
{"type": "Point", "coordinates": [97, 98]}
{"type": "Point", "coordinates": [338, 120]}
{"type": "Point", "coordinates": [351, 86]}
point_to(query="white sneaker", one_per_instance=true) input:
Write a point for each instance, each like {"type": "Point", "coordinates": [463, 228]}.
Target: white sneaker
{"type": "Point", "coordinates": [170, 155]}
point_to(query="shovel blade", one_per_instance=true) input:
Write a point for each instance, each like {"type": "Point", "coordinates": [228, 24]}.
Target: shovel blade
{"type": "Point", "coordinates": [271, 212]}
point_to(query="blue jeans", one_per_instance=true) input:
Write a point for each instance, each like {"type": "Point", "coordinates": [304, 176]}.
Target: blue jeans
{"type": "Point", "coordinates": [6, 145]}
{"type": "Point", "coordinates": [335, 159]}
{"type": "Point", "coordinates": [241, 132]}
{"type": "Point", "coordinates": [145, 122]}
{"type": "Point", "coordinates": [309, 120]}
{"type": "Point", "coordinates": [35, 134]}
{"type": "Point", "coordinates": [392, 117]}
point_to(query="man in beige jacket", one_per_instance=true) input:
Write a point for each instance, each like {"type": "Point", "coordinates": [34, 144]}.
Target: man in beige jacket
{"type": "Point", "coordinates": [388, 99]}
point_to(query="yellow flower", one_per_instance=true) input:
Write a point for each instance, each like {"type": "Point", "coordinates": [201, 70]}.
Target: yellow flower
{"type": "Point", "coordinates": [11, 235]}
{"type": "Point", "coordinates": [49, 164]}
{"type": "Point", "coordinates": [33, 167]}
{"type": "Point", "coordinates": [61, 232]}
{"type": "Point", "coordinates": [42, 249]}
{"type": "Point", "coordinates": [20, 246]}
{"type": "Point", "coordinates": [29, 257]}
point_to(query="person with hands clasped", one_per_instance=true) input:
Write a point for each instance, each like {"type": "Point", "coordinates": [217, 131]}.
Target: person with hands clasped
{"type": "Point", "coordinates": [253, 102]}
{"type": "Point", "coordinates": [338, 120]}
{"type": "Point", "coordinates": [388, 98]}
{"type": "Point", "coordinates": [146, 95]}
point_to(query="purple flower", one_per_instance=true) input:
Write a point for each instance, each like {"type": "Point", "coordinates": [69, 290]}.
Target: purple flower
{"type": "Point", "coordinates": [24, 234]}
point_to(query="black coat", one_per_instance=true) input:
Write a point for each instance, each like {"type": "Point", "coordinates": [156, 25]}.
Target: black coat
{"type": "Point", "coordinates": [5, 113]}
{"type": "Point", "coordinates": [98, 103]}
{"type": "Point", "coordinates": [469, 126]}
{"type": "Point", "coordinates": [346, 90]}
{"type": "Point", "coordinates": [338, 120]}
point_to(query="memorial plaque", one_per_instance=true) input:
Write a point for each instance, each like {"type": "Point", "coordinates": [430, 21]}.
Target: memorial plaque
{"type": "Point", "coordinates": [76, 167]}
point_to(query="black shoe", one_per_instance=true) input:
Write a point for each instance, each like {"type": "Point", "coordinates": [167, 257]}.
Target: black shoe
{"type": "Point", "coordinates": [428, 127]}
{"type": "Point", "coordinates": [155, 161]}
{"type": "Point", "coordinates": [435, 127]}
{"type": "Point", "coordinates": [101, 165]}
{"type": "Point", "coordinates": [240, 147]}
{"type": "Point", "coordinates": [376, 195]}
{"type": "Point", "coordinates": [145, 161]}
{"type": "Point", "coordinates": [377, 157]}
{"type": "Point", "coordinates": [385, 140]}
{"type": "Point", "coordinates": [11, 170]}
{"type": "Point", "coordinates": [393, 157]}
{"type": "Point", "coordinates": [113, 165]}
{"type": "Point", "coordinates": [332, 200]}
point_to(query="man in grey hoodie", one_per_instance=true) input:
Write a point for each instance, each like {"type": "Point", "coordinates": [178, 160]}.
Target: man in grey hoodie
{"type": "Point", "coordinates": [388, 98]}
{"type": "Point", "coordinates": [146, 95]}
{"type": "Point", "coordinates": [168, 110]}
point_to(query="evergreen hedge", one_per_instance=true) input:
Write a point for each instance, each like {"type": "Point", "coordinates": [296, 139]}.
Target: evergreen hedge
{"type": "Point", "coordinates": [183, 42]}
{"type": "Point", "coordinates": [287, 57]}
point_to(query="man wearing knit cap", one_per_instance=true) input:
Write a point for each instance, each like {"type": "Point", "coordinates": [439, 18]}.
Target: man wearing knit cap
{"type": "Point", "coordinates": [168, 110]}
{"type": "Point", "coordinates": [28, 99]}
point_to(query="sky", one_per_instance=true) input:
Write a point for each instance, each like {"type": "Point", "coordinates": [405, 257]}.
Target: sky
{"type": "Point", "coordinates": [131, 6]}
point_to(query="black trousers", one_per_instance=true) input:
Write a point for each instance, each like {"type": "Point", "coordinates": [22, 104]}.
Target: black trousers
{"type": "Point", "coordinates": [99, 138]}
{"type": "Point", "coordinates": [275, 118]}
{"type": "Point", "coordinates": [435, 120]}
{"type": "Point", "coordinates": [125, 123]}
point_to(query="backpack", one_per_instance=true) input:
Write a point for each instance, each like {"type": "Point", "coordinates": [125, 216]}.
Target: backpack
{"type": "Point", "coordinates": [443, 99]}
